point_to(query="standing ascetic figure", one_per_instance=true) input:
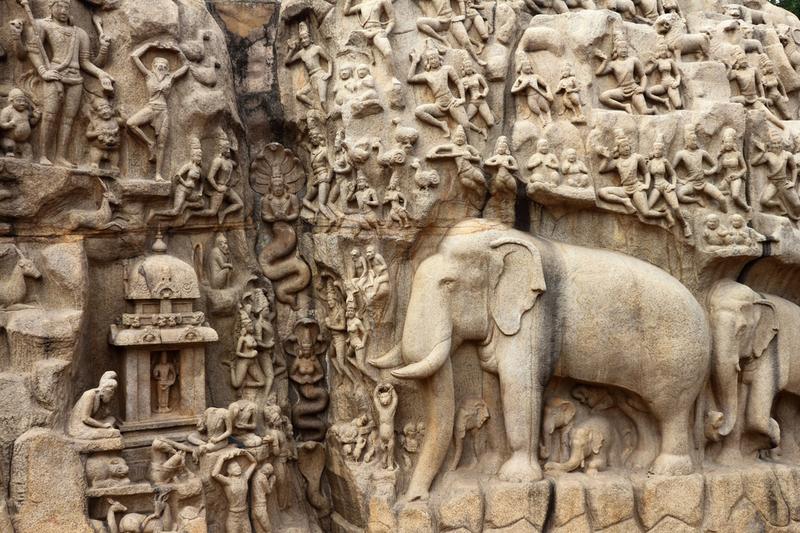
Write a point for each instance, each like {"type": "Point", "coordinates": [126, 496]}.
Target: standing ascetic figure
{"type": "Point", "coordinates": [61, 74]}
{"type": "Point", "coordinates": [530, 324]}
{"type": "Point", "coordinates": [155, 113]}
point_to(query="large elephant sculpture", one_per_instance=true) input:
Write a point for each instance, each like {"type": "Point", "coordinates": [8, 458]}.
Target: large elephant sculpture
{"type": "Point", "coordinates": [756, 336]}
{"type": "Point", "coordinates": [535, 308]}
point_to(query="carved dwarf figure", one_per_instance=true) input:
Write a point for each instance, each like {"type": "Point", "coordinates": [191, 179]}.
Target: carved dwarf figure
{"type": "Point", "coordinates": [104, 134]}
{"type": "Point", "coordinates": [714, 233]}
{"type": "Point", "coordinates": [544, 165]}
{"type": "Point", "coordinates": [739, 234]}
{"type": "Point", "coordinates": [438, 78]}
{"type": "Point", "coordinates": [311, 55]}
{"type": "Point", "coordinates": [155, 113]}
{"type": "Point", "coordinates": [165, 375]}
{"type": "Point", "coordinates": [630, 77]}
{"type": "Point", "coordinates": [61, 74]}
{"type": "Point", "coordinates": [235, 487]}
{"type": "Point", "coordinates": [384, 398]}
{"type": "Point", "coordinates": [536, 92]}
{"type": "Point", "coordinates": [574, 171]}
{"type": "Point", "coordinates": [694, 184]}
{"type": "Point", "coordinates": [571, 93]}
{"type": "Point", "coordinates": [89, 419]}
{"type": "Point", "coordinates": [17, 120]}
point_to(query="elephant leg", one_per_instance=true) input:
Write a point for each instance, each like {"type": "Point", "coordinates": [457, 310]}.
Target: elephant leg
{"type": "Point", "coordinates": [731, 450]}
{"type": "Point", "coordinates": [458, 441]}
{"type": "Point", "coordinates": [763, 389]}
{"type": "Point", "coordinates": [674, 459]}
{"type": "Point", "coordinates": [494, 426]}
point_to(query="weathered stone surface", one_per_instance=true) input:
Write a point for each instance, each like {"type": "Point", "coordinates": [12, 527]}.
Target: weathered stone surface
{"type": "Point", "coordinates": [609, 499]}
{"type": "Point", "coordinates": [679, 498]}
{"type": "Point", "coordinates": [462, 507]}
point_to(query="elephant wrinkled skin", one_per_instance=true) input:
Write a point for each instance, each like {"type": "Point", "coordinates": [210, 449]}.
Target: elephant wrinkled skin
{"type": "Point", "coordinates": [593, 322]}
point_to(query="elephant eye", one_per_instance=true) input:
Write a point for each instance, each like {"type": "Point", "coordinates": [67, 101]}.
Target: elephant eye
{"type": "Point", "coordinates": [447, 282]}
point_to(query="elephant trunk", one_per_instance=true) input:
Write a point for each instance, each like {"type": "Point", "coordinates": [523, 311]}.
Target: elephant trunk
{"type": "Point", "coordinates": [725, 381]}
{"type": "Point", "coordinates": [438, 396]}
{"type": "Point", "coordinates": [573, 462]}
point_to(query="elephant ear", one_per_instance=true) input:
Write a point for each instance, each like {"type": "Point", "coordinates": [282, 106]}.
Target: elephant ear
{"type": "Point", "coordinates": [516, 279]}
{"type": "Point", "coordinates": [767, 327]}
{"type": "Point", "coordinates": [597, 438]}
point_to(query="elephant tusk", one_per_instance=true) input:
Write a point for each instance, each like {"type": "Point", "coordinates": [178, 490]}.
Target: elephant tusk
{"type": "Point", "coordinates": [428, 366]}
{"type": "Point", "coordinates": [390, 359]}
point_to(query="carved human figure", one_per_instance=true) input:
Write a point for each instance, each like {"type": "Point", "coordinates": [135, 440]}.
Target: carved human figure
{"type": "Point", "coordinates": [262, 314]}
{"type": "Point", "coordinates": [713, 232]}
{"type": "Point", "coordinates": [104, 134]}
{"type": "Point", "coordinates": [438, 78]}
{"type": "Point", "coordinates": [750, 85]}
{"type": "Point", "coordinates": [356, 337]}
{"type": "Point", "coordinates": [668, 89]}
{"type": "Point", "coordinates": [731, 163]}
{"type": "Point", "coordinates": [279, 450]}
{"type": "Point", "coordinates": [543, 165]}
{"type": "Point", "coordinates": [631, 169]}
{"type": "Point", "coordinates": [263, 483]}
{"type": "Point", "coordinates": [574, 171]}
{"type": "Point", "coordinates": [168, 460]}
{"type": "Point", "coordinates": [165, 375]}
{"type": "Point", "coordinates": [384, 398]}
{"type": "Point", "coordinates": [367, 201]}
{"type": "Point", "coordinates": [312, 56]}
{"type": "Point", "coordinates": [630, 78]}
{"type": "Point", "coordinates": [220, 266]}
{"type": "Point", "coordinates": [246, 371]}
{"type": "Point", "coordinates": [739, 234]}
{"type": "Point", "coordinates": [475, 18]}
{"type": "Point", "coordinates": [398, 212]}
{"type": "Point", "coordinates": [378, 290]}
{"type": "Point", "coordinates": [213, 430]}
{"type": "Point", "coordinates": [322, 172]}
{"type": "Point", "coordinates": [336, 322]}
{"type": "Point", "coordinates": [188, 185]}
{"type": "Point", "coordinates": [367, 102]}
{"type": "Point", "coordinates": [780, 192]}
{"type": "Point", "coordinates": [465, 156]}
{"type": "Point", "coordinates": [664, 186]}
{"type": "Point", "coordinates": [535, 91]}
{"type": "Point", "coordinates": [17, 120]}
{"type": "Point", "coordinates": [377, 19]}
{"type": "Point", "coordinates": [345, 88]}
{"type": "Point", "coordinates": [477, 89]}
{"type": "Point", "coordinates": [243, 413]}
{"type": "Point", "coordinates": [221, 180]}
{"type": "Point", "coordinates": [470, 418]}
{"type": "Point", "coordinates": [694, 185]}
{"type": "Point", "coordinates": [570, 93]}
{"type": "Point", "coordinates": [412, 436]}
{"type": "Point", "coordinates": [442, 19]}
{"type": "Point", "coordinates": [159, 81]}
{"type": "Point", "coordinates": [774, 91]}
{"type": "Point", "coordinates": [61, 75]}
{"type": "Point", "coordinates": [503, 187]}
{"type": "Point", "coordinates": [235, 487]}
{"type": "Point", "coordinates": [89, 418]}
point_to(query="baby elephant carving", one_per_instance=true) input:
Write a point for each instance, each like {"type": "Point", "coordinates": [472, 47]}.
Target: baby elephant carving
{"type": "Point", "coordinates": [471, 417]}
{"type": "Point", "coordinates": [594, 446]}
{"type": "Point", "coordinates": [559, 416]}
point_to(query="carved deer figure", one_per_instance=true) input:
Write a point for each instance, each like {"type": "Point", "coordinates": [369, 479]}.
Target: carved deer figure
{"type": "Point", "coordinates": [14, 287]}
{"type": "Point", "coordinates": [99, 219]}
{"type": "Point", "coordinates": [160, 520]}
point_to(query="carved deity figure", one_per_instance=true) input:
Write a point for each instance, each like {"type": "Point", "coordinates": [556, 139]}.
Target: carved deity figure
{"type": "Point", "coordinates": [243, 414]}
{"type": "Point", "coordinates": [89, 418]}
{"type": "Point", "coordinates": [377, 19]}
{"type": "Point", "coordinates": [474, 17]}
{"type": "Point", "coordinates": [165, 375]}
{"type": "Point", "coordinates": [468, 165]}
{"type": "Point", "coordinates": [571, 93]}
{"type": "Point", "coordinates": [384, 398]}
{"type": "Point", "coordinates": [731, 163]}
{"type": "Point", "coordinates": [574, 171]}
{"type": "Point", "coordinates": [104, 134]}
{"type": "Point", "coordinates": [631, 169]}
{"type": "Point", "coordinates": [221, 180]}
{"type": "Point", "coordinates": [61, 75]}
{"type": "Point", "coordinates": [780, 192]}
{"type": "Point", "coordinates": [503, 187]}
{"type": "Point", "coordinates": [213, 430]}
{"type": "Point", "coordinates": [155, 113]}
{"type": "Point", "coordinates": [188, 185]}
{"type": "Point", "coordinates": [543, 165]}
{"type": "Point", "coordinates": [477, 89]}
{"type": "Point", "coordinates": [536, 92]}
{"type": "Point", "coordinates": [668, 89]}
{"type": "Point", "coordinates": [398, 211]}
{"type": "Point", "coordinates": [246, 371]}
{"type": "Point", "coordinates": [336, 322]}
{"type": "Point", "coordinates": [17, 120]}
{"type": "Point", "coordinates": [438, 78]}
{"type": "Point", "coordinates": [261, 316]}
{"type": "Point", "coordinates": [322, 172]}
{"type": "Point", "coordinates": [262, 486]}
{"type": "Point", "coordinates": [312, 56]}
{"type": "Point", "coordinates": [443, 19]}
{"type": "Point", "coordinates": [367, 201]}
{"type": "Point", "coordinates": [694, 185]}
{"type": "Point", "coordinates": [235, 487]}
{"type": "Point", "coordinates": [356, 337]}
{"type": "Point", "coordinates": [664, 186]}
{"type": "Point", "coordinates": [220, 263]}
{"type": "Point", "coordinates": [774, 91]}
{"type": "Point", "coordinates": [750, 84]}
{"type": "Point", "coordinates": [630, 77]}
